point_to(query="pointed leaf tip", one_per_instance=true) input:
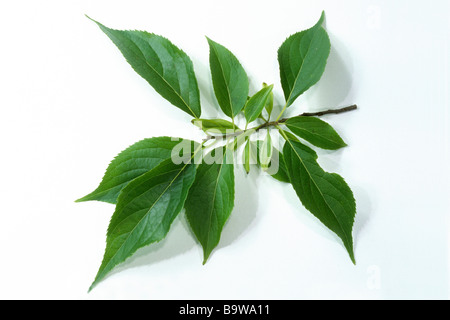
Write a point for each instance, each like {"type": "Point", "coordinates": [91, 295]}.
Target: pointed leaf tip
{"type": "Point", "coordinates": [131, 163]}
{"type": "Point", "coordinates": [322, 17]}
{"type": "Point", "coordinates": [145, 199]}
{"type": "Point", "coordinates": [79, 200]}
{"type": "Point", "coordinates": [256, 103]}
{"type": "Point", "coordinates": [98, 23]}
{"type": "Point", "coordinates": [205, 259]}
{"type": "Point", "coordinates": [154, 58]}
{"type": "Point", "coordinates": [316, 132]}
{"type": "Point", "coordinates": [211, 200]}
{"type": "Point", "coordinates": [230, 81]}
{"type": "Point", "coordinates": [351, 255]}
{"type": "Point", "coordinates": [302, 59]}
{"type": "Point", "coordinates": [326, 195]}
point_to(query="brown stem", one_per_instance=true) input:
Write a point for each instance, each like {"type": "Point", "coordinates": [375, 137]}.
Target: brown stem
{"type": "Point", "coordinates": [332, 111]}
{"type": "Point", "coordinates": [275, 123]}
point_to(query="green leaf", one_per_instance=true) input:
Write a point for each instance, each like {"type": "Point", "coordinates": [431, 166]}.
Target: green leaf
{"type": "Point", "coordinates": [277, 167]}
{"type": "Point", "coordinates": [281, 174]}
{"type": "Point", "coordinates": [269, 104]}
{"type": "Point", "coordinates": [145, 210]}
{"type": "Point", "coordinates": [289, 135]}
{"type": "Point", "coordinates": [246, 155]}
{"type": "Point", "coordinates": [165, 67]}
{"type": "Point", "coordinates": [134, 161]}
{"type": "Point", "coordinates": [250, 154]}
{"type": "Point", "coordinates": [326, 195]}
{"type": "Point", "coordinates": [316, 131]}
{"type": "Point", "coordinates": [215, 125]}
{"type": "Point", "coordinates": [302, 59]}
{"type": "Point", "coordinates": [229, 79]}
{"type": "Point", "coordinates": [210, 202]}
{"type": "Point", "coordinates": [256, 103]}
{"type": "Point", "coordinates": [265, 152]}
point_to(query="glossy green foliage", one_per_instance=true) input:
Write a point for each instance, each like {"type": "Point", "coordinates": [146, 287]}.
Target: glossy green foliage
{"type": "Point", "coordinates": [210, 202]}
{"type": "Point", "coordinates": [131, 163]}
{"type": "Point", "coordinates": [276, 166]}
{"type": "Point", "coordinates": [265, 152]}
{"type": "Point", "coordinates": [281, 173]}
{"type": "Point", "coordinates": [256, 104]}
{"type": "Point", "coordinates": [153, 180]}
{"type": "Point", "coordinates": [302, 59]}
{"type": "Point", "coordinates": [229, 79]}
{"type": "Point", "coordinates": [316, 132]}
{"type": "Point", "coordinates": [215, 126]}
{"type": "Point", "coordinates": [247, 155]}
{"type": "Point", "coordinates": [165, 67]}
{"type": "Point", "coordinates": [289, 136]}
{"type": "Point", "coordinates": [269, 103]}
{"type": "Point", "coordinates": [326, 195]}
{"type": "Point", "coordinates": [145, 210]}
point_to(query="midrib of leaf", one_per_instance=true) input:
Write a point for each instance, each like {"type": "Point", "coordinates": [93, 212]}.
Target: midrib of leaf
{"type": "Point", "coordinates": [315, 184]}
{"type": "Point", "coordinates": [316, 135]}
{"type": "Point", "coordinates": [182, 99]}
{"type": "Point", "coordinates": [128, 235]}
{"type": "Point", "coordinates": [164, 191]}
{"type": "Point", "coordinates": [161, 76]}
{"type": "Point", "coordinates": [139, 222]}
{"type": "Point", "coordinates": [223, 76]}
{"type": "Point", "coordinates": [212, 207]}
{"type": "Point", "coordinates": [298, 73]}
{"type": "Point", "coordinates": [128, 171]}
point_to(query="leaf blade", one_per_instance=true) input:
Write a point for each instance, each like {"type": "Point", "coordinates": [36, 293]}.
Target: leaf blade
{"type": "Point", "coordinates": [266, 152]}
{"type": "Point", "coordinates": [316, 131]}
{"type": "Point", "coordinates": [210, 202]}
{"type": "Point", "coordinates": [281, 174]}
{"type": "Point", "coordinates": [229, 79]}
{"type": "Point", "coordinates": [131, 163]}
{"type": "Point", "coordinates": [246, 157]}
{"type": "Point", "coordinates": [277, 167]}
{"type": "Point", "coordinates": [163, 65]}
{"type": "Point", "coordinates": [302, 59]}
{"type": "Point", "coordinates": [256, 103]}
{"type": "Point", "coordinates": [269, 104]}
{"type": "Point", "coordinates": [215, 125]}
{"type": "Point", "coordinates": [145, 210]}
{"type": "Point", "coordinates": [326, 195]}
{"type": "Point", "coordinates": [249, 154]}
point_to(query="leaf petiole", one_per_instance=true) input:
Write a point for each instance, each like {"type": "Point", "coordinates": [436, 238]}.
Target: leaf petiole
{"type": "Point", "coordinates": [281, 113]}
{"type": "Point", "coordinates": [282, 132]}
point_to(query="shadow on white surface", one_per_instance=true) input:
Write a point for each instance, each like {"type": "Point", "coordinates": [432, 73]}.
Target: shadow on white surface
{"type": "Point", "coordinates": [181, 239]}
{"type": "Point", "coordinates": [177, 242]}
{"type": "Point", "coordinates": [363, 212]}
{"type": "Point", "coordinates": [245, 206]}
{"type": "Point", "coordinates": [330, 92]}
{"type": "Point", "coordinates": [334, 88]}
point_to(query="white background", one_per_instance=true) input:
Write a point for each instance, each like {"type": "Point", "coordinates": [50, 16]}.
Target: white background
{"type": "Point", "coordinates": [69, 103]}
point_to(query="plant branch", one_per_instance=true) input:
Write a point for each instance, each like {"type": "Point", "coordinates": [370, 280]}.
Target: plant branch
{"type": "Point", "coordinates": [281, 121]}
{"type": "Point", "coordinates": [332, 111]}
